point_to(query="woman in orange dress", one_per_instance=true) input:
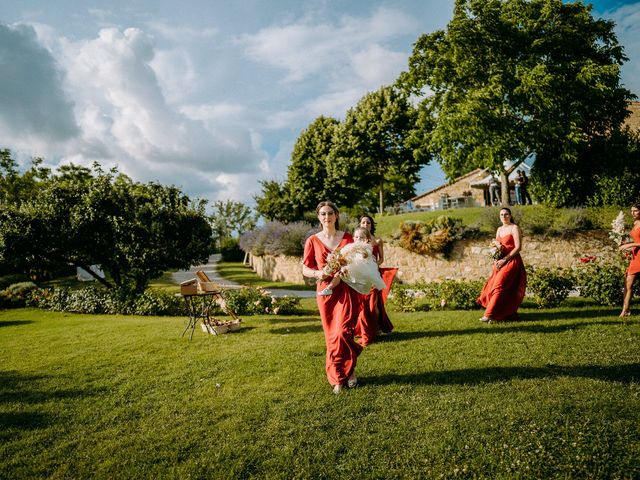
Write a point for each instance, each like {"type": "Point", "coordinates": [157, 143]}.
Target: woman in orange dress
{"type": "Point", "coordinates": [373, 317]}
{"type": "Point", "coordinates": [634, 265]}
{"type": "Point", "coordinates": [503, 293]}
{"type": "Point", "coordinates": [338, 311]}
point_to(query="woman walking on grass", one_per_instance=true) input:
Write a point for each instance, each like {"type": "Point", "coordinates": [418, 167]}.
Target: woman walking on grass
{"type": "Point", "coordinates": [504, 291]}
{"type": "Point", "coordinates": [338, 311]}
{"type": "Point", "coordinates": [634, 265]}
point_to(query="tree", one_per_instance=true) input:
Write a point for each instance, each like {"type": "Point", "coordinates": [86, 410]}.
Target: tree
{"type": "Point", "coordinates": [275, 203]}
{"type": "Point", "coordinates": [15, 187]}
{"type": "Point", "coordinates": [309, 165]}
{"type": "Point", "coordinates": [371, 150]}
{"type": "Point", "coordinates": [231, 217]}
{"type": "Point", "coordinates": [80, 217]}
{"type": "Point", "coordinates": [512, 78]}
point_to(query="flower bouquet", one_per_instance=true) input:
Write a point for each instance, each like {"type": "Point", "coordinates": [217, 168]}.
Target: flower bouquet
{"type": "Point", "coordinates": [335, 261]}
{"type": "Point", "coordinates": [496, 250]}
{"type": "Point", "coordinates": [618, 232]}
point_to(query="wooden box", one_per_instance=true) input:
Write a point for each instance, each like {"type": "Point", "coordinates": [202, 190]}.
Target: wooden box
{"type": "Point", "coordinates": [189, 287]}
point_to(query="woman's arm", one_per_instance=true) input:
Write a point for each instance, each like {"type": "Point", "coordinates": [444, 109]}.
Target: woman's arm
{"type": "Point", "coordinates": [626, 246]}
{"type": "Point", "coordinates": [380, 258]}
{"type": "Point", "coordinates": [313, 273]}
{"type": "Point", "coordinates": [517, 240]}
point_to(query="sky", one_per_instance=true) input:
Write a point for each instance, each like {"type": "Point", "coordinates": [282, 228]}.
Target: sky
{"type": "Point", "coordinates": [209, 95]}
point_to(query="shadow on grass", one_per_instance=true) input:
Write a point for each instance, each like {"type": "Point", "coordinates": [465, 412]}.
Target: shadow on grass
{"type": "Point", "coordinates": [23, 389]}
{"type": "Point", "coordinates": [568, 315]}
{"type": "Point", "coordinates": [515, 327]}
{"type": "Point", "coordinates": [628, 373]}
{"type": "Point", "coordinates": [12, 323]}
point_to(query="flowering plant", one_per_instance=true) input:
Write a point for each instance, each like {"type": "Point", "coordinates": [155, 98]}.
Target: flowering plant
{"type": "Point", "coordinates": [618, 233]}
{"type": "Point", "coordinates": [496, 250]}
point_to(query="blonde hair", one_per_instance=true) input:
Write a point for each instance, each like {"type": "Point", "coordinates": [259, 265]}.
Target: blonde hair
{"type": "Point", "coordinates": [364, 232]}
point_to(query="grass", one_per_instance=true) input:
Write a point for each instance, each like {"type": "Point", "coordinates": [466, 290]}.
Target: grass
{"type": "Point", "coordinates": [555, 395]}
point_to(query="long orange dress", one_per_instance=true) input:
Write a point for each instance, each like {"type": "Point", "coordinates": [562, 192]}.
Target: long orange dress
{"type": "Point", "coordinates": [339, 314]}
{"type": "Point", "coordinates": [634, 265]}
{"type": "Point", "coordinates": [373, 317]}
{"type": "Point", "coordinates": [503, 293]}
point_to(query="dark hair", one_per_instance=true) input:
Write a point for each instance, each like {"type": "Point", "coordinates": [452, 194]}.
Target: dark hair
{"type": "Point", "coordinates": [636, 205]}
{"type": "Point", "coordinates": [373, 223]}
{"type": "Point", "coordinates": [328, 203]}
{"type": "Point", "coordinates": [510, 214]}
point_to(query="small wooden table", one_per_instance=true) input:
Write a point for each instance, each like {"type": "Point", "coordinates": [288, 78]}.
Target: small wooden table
{"type": "Point", "coordinates": [200, 306]}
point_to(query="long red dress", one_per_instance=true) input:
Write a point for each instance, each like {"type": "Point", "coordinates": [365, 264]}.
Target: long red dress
{"type": "Point", "coordinates": [339, 313]}
{"type": "Point", "coordinates": [373, 316]}
{"type": "Point", "coordinates": [503, 293]}
{"type": "Point", "coordinates": [634, 265]}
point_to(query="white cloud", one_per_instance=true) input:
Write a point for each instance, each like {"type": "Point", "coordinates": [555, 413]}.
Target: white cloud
{"type": "Point", "coordinates": [181, 33]}
{"type": "Point", "coordinates": [35, 111]}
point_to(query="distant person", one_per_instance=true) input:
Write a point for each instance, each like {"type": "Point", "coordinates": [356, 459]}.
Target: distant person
{"type": "Point", "coordinates": [518, 187]}
{"type": "Point", "coordinates": [494, 190]}
{"type": "Point", "coordinates": [634, 265]}
{"type": "Point", "coordinates": [524, 185]}
{"type": "Point", "coordinates": [503, 293]}
{"type": "Point", "coordinates": [373, 317]}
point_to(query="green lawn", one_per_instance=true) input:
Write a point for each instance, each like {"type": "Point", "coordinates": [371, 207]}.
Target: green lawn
{"type": "Point", "coordinates": [556, 395]}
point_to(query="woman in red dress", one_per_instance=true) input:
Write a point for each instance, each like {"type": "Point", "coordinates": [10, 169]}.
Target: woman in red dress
{"type": "Point", "coordinates": [338, 311]}
{"type": "Point", "coordinates": [634, 265]}
{"type": "Point", "coordinates": [503, 293]}
{"type": "Point", "coordinates": [373, 317]}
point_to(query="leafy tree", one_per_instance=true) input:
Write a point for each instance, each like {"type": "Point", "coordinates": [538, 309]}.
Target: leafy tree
{"type": "Point", "coordinates": [307, 173]}
{"type": "Point", "coordinates": [231, 217]}
{"type": "Point", "coordinates": [511, 78]}
{"type": "Point", "coordinates": [371, 150]}
{"type": "Point", "coordinates": [15, 187]}
{"type": "Point", "coordinates": [81, 217]}
{"type": "Point", "coordinates": [275, 203]}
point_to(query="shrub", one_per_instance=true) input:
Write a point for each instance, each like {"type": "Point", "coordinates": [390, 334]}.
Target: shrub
{"type": "Point", "coordinates": [571, 220]}
{"type": "Point", "coordinates": [428, 238]}
{"type": "Point", "coordinates": [404, 298]}
{"type": "Point", "coordinates": [550, 287]}
{"type": "Point", "coordinates": [603, 281]}
{"type": "Point", "coordinates": [16, 295]}
{"type": "Point", "coordinates": [256, 301]}
{"type": "Point", "coordinates": [276, 238]}
{"type": "Point", "coordinates": [230, 250]}
{"type": "Point", "coordinates": [446, 295]}
{"type": "Point", "coordinates": [7, 280]}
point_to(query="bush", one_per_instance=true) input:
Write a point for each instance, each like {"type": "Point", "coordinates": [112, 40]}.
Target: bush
{"type": "Point", "coordinates": [446, 295]}
{"type": "Point", "coordinates": [603, 281]}
{"type": "Point", "coordinates": [276, 238]}
{"type": "Point", "coordinates": [256, 301]}
{"type": "Point", "coordinates": [550, 287]}
{"type": "Point", "coordinates": [97, 300]}
{"type": "Point", "coordinates": [7, 280]}
{"type": "Point", "coordinates": [16, 295]}
{"type": "Point", "coordinates": [230, 250]}
{"type": "Point", "coordinates": [428, 238]}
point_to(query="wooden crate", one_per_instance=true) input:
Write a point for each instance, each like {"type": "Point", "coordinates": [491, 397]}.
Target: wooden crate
{"type": "Point", "coordinates": [189, 287]}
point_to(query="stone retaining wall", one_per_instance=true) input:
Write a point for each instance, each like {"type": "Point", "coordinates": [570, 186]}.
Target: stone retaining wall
{"type": "Point", "coordinates": [469, 259]}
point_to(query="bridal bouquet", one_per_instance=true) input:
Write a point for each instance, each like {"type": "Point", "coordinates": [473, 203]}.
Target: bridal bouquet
{"type": "Point", "coordinates": [618, 233]}
{"type": "Point", "coordinates": [335, 261]}
{"type": "Point", "coordinates": [496, 250]}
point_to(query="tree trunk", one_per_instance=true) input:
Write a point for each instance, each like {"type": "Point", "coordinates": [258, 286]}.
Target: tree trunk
{"type": "Point", "coordinates": [504, 189]}
{"type": "Point", "coordinates": [381, 206]}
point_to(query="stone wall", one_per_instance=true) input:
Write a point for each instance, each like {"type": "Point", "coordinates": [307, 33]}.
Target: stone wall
{"type": "Point", "coordinates": [469, 259]}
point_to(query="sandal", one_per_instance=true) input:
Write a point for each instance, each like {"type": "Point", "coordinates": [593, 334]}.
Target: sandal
{"type": "Point", "coordinates": [352, 382]}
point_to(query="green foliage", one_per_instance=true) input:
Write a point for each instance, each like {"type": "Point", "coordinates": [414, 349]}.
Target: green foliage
{"type": "Point", "coordinates": [7, 280]}
{"type": "Point", "coordinates": [512, 78]}
{"type": "Point", "coordinates": [82, 217]}
{"type": "Point", "coordinates": [230, 250]}
{"type": "Point", "coordinates": [550, 287]}
{"type": "Point", "coordinates": [445, 295]}
{"type": "Point", "coordinates": [601, 280]}
{"type": "Point", "coordinates": [256, 301]}
{"type": "Point", "coordinates": [16, 295]}
{"type": "Point", "coordinates": [229, 219]}
{"type": "Point", "coordinates": [436, 236]}
{"type": "Point", "coordinates": [98, 300]}
{"type": "Point", "coordinates": [275, 204]}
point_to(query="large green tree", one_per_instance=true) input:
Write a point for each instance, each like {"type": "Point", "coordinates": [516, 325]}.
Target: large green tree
{"type": "Point", "coordinates": [81, 217]}
{"type": "Point", "coordinates": [512, 78]}
{"type": "Point", "coordinates": [371, 153]}
{"type": "Point", "coordinates": [230, 217]}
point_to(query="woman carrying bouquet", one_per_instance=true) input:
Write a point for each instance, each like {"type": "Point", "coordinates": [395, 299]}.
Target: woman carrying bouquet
{"type": "Point", "coordinates": [338, 311]}
{"type": "Point", "coordinates": [373, 317]}
{"type": "Point", "coordinates": [504, 291]}
{"type": "Point", "coordinates": [634, 265]}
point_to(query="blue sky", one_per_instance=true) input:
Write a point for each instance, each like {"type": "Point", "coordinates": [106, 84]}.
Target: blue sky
{"type": "Point", "coordinates": [208, 95]}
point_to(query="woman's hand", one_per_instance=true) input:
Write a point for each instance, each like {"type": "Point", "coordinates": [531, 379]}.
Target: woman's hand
{"type": "Point", "coordinates": [500, 263]}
